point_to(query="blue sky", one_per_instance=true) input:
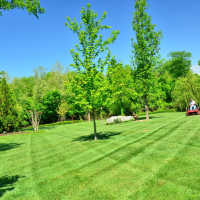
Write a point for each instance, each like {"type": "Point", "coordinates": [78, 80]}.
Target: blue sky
{"type": "Point", "coordinates": [27, 42]}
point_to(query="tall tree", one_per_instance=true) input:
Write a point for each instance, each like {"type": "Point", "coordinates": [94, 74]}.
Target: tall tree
{"type": "Point", "coordinates": [92, 45]}
{"type": "Point", "coordinates": [179, 63]}
{"type": "Point", "coordinates": [145, 49]}
{"type": "Point", "coordinates": [186, 87]}
{"type": "Point", "coordinates": [8, 112]}
{"type": "Point", "coordinates": [32, 6]}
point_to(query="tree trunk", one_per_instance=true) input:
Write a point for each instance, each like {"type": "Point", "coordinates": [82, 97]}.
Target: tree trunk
{"type": "Point", "coordinates": [141, 103]}
{"type": "Point", "coordinates": [88, 115]}
{"type": "Point", "coordinates": [146, 108]}
{"type": "Point", "coordinates": [122, 111]}
{"type": "Point", "coordinates": [95, 131]}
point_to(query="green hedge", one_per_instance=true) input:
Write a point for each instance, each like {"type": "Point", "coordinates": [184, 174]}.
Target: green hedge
{"type": "Point", "coordinates": [159, 111]}
{"type": "Point", "coordinates": [61, 123]}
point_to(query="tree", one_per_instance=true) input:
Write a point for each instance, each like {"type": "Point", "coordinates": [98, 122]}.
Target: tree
{"type": "Point", "coordinates": [32, 6]}
{"type": "Point", "coordinates": [145, 50]}
{"type": "Point", "coordinates": [1, 74]}
{"type": "Point", "coordinates": [34, 118]}
{"type": "Point", "coordinates": [179, 64]}
{"type": "Point", "coordinates": [92, 45]}
{"type": "Point", "coordinates": [74, 95]}
{"type": "Point", "coordinates": [121, 89]}
{"type": "Point", "coordinates": [186, 87]}
{"type": "Point", "coordinates": [164, 81]}
{"type": "Point", "coordinates": [8, 112]}
{"type": "Point", "coordinates": [56, 78]}
{"type": "Point", "coordinates": [23, 93]}
{"type": "Point", "coordinates": [63, 108]}
{"type": "Point", "coordinates": [50, 102]}
{"type": "Point", "coordinates": [41, 85]}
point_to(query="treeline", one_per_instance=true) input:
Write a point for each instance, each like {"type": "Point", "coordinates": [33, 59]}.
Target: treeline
{"type": "Point", "coordinates": [58, 95]}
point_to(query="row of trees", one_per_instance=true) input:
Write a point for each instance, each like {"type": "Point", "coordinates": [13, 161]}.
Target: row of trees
{"type": "Point", "coordinates": [59, 94]}
{"type": "Point", "coordinates": [148, 83]}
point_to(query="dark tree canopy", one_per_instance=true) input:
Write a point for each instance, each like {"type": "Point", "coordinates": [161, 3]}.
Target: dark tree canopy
{"type": "Point", "coordinates": [9, 118]}
{"type": "Point", "coordinates": [179, 63]}
{"type": "Point", "coordinates": [32, 6]}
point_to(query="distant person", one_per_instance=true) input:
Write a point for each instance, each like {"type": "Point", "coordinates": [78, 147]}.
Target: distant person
{"type": "Point", "coordinates": [192, 104]}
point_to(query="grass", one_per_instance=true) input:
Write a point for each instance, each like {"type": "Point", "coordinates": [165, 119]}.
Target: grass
{"type": "Point", "coordinates": [155, 159]}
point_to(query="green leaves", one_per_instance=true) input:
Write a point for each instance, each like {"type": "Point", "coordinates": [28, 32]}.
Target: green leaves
{"type": "Point", "coordinates": [8, 111]}
{"type": "Point", "coordinates": [32, 6]}
{"type": "Point", "coordinates": [90, 39]}
{"type": "Point", "coordinates": [179, 63]}
{"type": "Point", "coordinates": [185, 88]}
{"type": "Point", "coordinates": [145, 49]}
{"type": "Point", "coordinates": [91, 45]}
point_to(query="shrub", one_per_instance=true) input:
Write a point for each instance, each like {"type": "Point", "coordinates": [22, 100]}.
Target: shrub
{"type": "Point", "coordinates": [118, 121]}
{"type": "Point", "coordinates": [110, 123]}
{"type": "Point", "coordinates": [24, 123]}
{"type": "Point", "coordinates": [159, 111]}
{"type": "Point", "coordinates": [61, 123]}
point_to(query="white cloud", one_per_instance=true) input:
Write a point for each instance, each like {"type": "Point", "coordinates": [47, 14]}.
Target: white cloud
{"type": "Point", "coordinates": [196, 69]}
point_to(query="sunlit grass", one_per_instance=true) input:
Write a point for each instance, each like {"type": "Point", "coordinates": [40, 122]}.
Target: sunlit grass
{"type": "Point", "coordinates": [155, 159]}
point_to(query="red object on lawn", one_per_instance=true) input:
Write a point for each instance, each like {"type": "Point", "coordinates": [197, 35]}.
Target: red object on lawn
{"type": "Point", "coordinates": [193, 112]}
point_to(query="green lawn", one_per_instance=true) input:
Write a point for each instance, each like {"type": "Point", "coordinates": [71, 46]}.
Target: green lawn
{"type": "Point", "coordinates": [155, 159]}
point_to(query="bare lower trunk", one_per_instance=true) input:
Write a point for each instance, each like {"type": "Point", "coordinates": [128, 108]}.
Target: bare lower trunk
{"type": "Point", "coordinates": [95, 131]}
{"type": "Point", "coordinates": [34, 118]}
{"type": "Point", "coordinates": [88, 115]}
{"type": "Point", "coordinates": [146, 108]}
{"type": "Point", "coordinates": [141, 103]}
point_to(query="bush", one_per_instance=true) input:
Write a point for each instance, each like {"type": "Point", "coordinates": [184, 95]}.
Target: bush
{"type": "Point", "coordinates": [61, 123]}
{"type": "Point", "coordinates": [110, 123]}
{"type": "Point", "coordinates": [159, 111]}
{"type": "Point", "coordinates": [118, 121]}
{"type": "Point", "coordinates": [24, 123]}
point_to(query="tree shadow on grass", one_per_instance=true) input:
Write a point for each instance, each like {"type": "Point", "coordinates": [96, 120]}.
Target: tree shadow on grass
{"type": "Point", "coordinates": [46, 128]}
{"type": "Point", "coordinates": [8, 146]}
{"type": "Point", "coordinates": [30, 128]}
{"type": "Point", "coordinates": [101, 136]}
{"type": "Point", "coordinates": [7, 183]}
